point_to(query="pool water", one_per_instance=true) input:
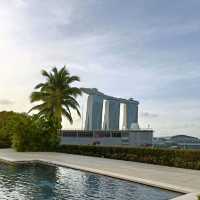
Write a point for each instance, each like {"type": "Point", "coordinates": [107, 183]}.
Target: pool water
{"type": "Point", "coordinates": [43, 182]}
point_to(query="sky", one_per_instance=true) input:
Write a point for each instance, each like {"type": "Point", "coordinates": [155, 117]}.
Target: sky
{"type": "Point", "coordinates": [148, 50]}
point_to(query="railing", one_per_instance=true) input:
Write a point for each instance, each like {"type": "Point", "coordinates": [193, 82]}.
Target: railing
{"type": "Point", "coordinates": [94, 133]}
{"type": "Point", "coordinates": [100, 133]}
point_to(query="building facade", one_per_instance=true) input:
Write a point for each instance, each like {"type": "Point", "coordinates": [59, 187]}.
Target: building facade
{"type": "Point", "coordinates": [102, 128]}
{"type": "Point", "coordinates": [111, 116]}
{"type": "Point", "coordinates": [131, 113]}
{"type": "Point", "coordinates": [94, 112]}
{"type": "Point", "coordinates": [133, 138]}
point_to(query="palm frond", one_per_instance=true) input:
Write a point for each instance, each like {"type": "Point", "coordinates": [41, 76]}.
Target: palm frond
{"type": "Point", "coordinates": [45, 73]}
{"type": "Point", "coordinates": [64, 71]}
{"type": "Point", "coordinates": [55, 71]}
{"type": "Point", "coordinates": [73, 105]}
{"type": "Point", "coordinates": [39, 85]}
{"type": "Point", "coordinates": [66, 107]}
{"type": "Point", "coordinates": [67, 115]}
{"type": "Point", "coordinates": [73, 79]}
{"type": "Point", "coordinates": [37, 107]}
{"type": "Point", "coordinates": [73, 91]}
{"type": "Point", "coordinates": [72, 99]}
{"type": "Point", "coordinates": [38, 96]}
{"type": "Point", "coordinates": [57, 95]}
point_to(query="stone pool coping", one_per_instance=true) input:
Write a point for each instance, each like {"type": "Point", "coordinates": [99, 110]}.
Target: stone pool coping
{"type": "Point", "coordinates": [137, 172]}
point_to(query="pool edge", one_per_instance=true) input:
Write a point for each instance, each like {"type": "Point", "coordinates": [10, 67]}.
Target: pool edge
{"type": "Point", "coordinates": [187, 194]}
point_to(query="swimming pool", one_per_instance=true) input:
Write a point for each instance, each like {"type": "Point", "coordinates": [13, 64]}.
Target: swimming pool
{"type": "Point", "coordinates": [44, 182]}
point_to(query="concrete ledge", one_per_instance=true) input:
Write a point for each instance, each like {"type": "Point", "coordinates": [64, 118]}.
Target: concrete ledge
{"type": "Point", "coordinates": [120, 176]}
{"type": "Point", "coordinates": [191, 196]}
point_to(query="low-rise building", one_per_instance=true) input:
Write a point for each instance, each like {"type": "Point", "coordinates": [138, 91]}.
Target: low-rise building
{"type": "Point", "coordinates": [132, 138]}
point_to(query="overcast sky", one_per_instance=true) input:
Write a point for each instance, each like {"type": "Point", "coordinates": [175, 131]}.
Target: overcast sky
{"type": "Point", "coordinates": [148, 50]}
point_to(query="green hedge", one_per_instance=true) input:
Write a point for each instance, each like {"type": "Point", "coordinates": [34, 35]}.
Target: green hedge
{"type": "Point", "coordinates": [4, 145]}
{"type": "Point", "coordinates": [34, 134]}
{"type": "Point", "coordinates": [175, 158]}
{"type": "Point", "coordinates": [7, 119]}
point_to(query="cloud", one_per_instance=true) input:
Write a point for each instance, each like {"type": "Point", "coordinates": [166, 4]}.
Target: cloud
{"type": "Point", "coordinates": [6, 102]}
{"type": "Point", "coordinates": [140, 49]}
{"type": "Point", "coordinates": [149, 115]}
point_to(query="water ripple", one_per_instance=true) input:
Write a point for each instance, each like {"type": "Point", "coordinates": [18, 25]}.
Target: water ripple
{"type": "Point", "coordinates": [42, 182]}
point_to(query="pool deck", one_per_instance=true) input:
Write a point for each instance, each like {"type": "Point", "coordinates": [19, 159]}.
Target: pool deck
{"type": "Point", "coordinates": [176, 179]}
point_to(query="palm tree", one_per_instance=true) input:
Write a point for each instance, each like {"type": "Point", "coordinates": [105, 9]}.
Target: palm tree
{"type": "Point", "coordinates": [56, 95]}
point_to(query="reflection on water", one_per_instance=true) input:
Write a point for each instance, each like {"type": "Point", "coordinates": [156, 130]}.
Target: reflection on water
{"type": "Point", "coordinates": [42, 182]}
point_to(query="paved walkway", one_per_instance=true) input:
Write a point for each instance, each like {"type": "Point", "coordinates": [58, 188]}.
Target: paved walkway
{"type": "Point", "coordinates": [182, 180]}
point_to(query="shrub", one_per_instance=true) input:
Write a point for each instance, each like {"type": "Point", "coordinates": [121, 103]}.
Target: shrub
{"type": "Point", "coordinates": [175, 158]}
{"type": "Point", "coordinates": [34, 134]}
{"type": "Point", "coordinates": [6, 122]}
{"type": "Point", "coordinates": [26, 133]}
